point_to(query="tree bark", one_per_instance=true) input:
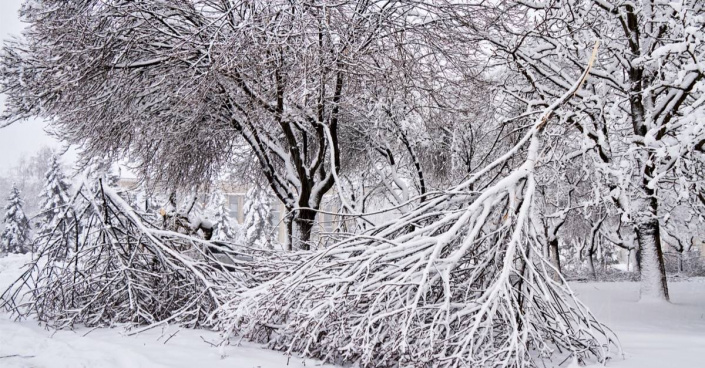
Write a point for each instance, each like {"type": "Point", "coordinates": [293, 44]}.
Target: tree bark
{"type": "Point", "coordinates": [653, 270]}
{"type": "Point", "coordinates": [555, 257]}
{"type": "Point", "coordinates": [303, 224]}
{"type": "Point", "coordinates": [591, 262]}
{"type": "Point", "coordinates": [289, 230]}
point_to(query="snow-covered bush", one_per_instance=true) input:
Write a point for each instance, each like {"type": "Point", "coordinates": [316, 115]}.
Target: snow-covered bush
{"type": "Point", "coordinates": [15, 237]}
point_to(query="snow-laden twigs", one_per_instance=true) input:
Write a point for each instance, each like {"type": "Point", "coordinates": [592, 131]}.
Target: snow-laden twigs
{"type": "Point", "coordinates": [460, 281]}
{"type": "Point", "coordinates": [104, 264]}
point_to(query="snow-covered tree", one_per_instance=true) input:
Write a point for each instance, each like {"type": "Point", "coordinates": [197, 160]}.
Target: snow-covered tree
{"type": "Point", "coordinates": [54, 196]}
{"type": "Point", "coordinates": [223, 227]}
{"type": "Point", "coordinates": [639, 117]}
{"type": "Point", "coordinates": [15, 237]}
{"type": "Point", "coordinates": [28, 174]}
{"type": "Point", "coordinates": [257, 228]}
{"type": "Point", "coordinates": [295, 110]}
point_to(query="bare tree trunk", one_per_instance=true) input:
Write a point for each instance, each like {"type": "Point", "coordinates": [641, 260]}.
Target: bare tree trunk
{"type": "Point", "coordinates": [592, 246]}
{"type": "Point", "coordinates": [591, 262]}
{"type": "Point", "coordinates": [289, 230]}
{"type": "Point", "coordinates": [648, 233]}
{"type": "Point", "coordinates": [601, 255]}
{"type": "Point", "coordinates": [555, 257]}
{"type": "Point", "coordinates": [634, 259]}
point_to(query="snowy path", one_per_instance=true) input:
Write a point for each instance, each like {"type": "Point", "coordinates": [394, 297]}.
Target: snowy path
{"type": "Point", "coordinates": [652, 335]}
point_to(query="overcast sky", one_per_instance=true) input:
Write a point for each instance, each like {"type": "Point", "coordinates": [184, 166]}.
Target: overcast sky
{"type": "Point", "coordinates": [26, 137]}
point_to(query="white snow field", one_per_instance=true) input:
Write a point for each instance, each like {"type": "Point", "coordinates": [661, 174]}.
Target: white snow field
{"type": "Point", "coordinates": [652, 335]}
{"type": "Point", "coordinates": [26, 344]}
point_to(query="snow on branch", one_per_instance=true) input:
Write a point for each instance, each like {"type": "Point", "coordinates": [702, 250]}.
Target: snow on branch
{"type": "Point", "coordinates": [105, 264]}
{"type": "Point", "coordinates": [460, 281]}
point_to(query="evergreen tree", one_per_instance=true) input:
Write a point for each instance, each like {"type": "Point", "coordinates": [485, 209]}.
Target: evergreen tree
{"type": "Point", "coordinates": [15, 237]}
{"type": "Point", "coordinates": [54, 196]}
{"type": "Point", "coordinates": [223, 228]}
{"type": "Point", "coordinates": [257, 225]}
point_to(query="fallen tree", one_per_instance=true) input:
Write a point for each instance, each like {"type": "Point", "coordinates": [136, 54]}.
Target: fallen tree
{"type": "Point", "coordinates": [105, 264]}
{"type": "Point", "coordinates": [459, 281]}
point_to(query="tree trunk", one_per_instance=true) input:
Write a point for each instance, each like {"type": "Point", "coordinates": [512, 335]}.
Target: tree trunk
{"type": "Point", "coordinates": [591, 262]}
{"type": "Point", "coordinates": [303, 224]}
{"type": "Point", "coordinates": [632, 259]}
{"type": "Point", "coordinates": [555, 257]}
{"type": "Point", "coordinates": [289, 230]}
{"type": "Point", "coordinates": [648, 234]}
{"type": "Point", "coordinates": [653, 270]}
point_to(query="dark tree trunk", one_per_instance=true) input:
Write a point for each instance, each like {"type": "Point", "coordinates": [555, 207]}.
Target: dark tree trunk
{"type": "Point", "coordinates": [591, 262]}
{"type": "Point", "coordinates": [289, 230]}
{"type": "Point", "coordinates": [555, 257]}
{"type": "Point", "coordinates": [651, 265]}
{"type": "Point", "coordinates": [304, 223]}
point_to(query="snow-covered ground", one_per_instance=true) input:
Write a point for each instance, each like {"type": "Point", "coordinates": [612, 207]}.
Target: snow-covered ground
{"type": "Point", "coordinates": [26, 344]}
{"type": "Point", "coordinates": [652, 335]}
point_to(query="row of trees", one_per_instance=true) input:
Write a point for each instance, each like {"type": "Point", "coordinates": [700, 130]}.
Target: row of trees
{"type": "Point", "coordinates": [292, 84]}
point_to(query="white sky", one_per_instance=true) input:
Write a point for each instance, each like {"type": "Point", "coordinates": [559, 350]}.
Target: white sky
{"type": "Point", "coordinates": [25, 137]}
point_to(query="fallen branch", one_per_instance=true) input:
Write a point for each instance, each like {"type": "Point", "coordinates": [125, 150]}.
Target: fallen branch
{"type": "Point", "coordinates": [459, 281]}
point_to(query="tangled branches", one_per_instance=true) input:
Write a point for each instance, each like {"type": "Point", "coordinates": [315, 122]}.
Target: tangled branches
{"type": "Point", "coordinates": [460, 281]}
{"type": "Point", "coordinates": [104, 264]}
